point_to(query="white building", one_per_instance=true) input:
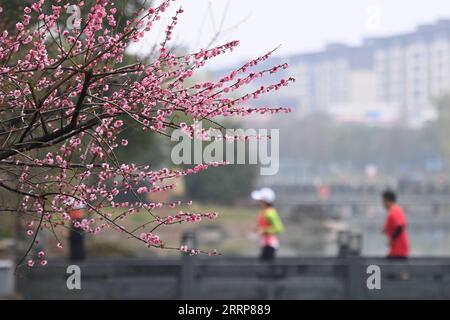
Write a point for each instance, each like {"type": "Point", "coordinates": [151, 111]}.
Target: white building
{"type": "Point", "coordinates": [403, 72]}
{"type": "Point", "coordinates": [412, 69]}
{"type": "Point", "coordinates": [337, 75]}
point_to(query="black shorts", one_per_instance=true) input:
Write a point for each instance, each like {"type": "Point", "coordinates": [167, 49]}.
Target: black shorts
{"type": "Point", "coordinates": [397, 257]}
{"type": "Point", "coordinates": [267, 253]}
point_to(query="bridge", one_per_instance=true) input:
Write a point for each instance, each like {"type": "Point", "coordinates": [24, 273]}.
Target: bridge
{"type": "Point", "coordinates": [289, 197]}
{"type": "Point", "coordinates": [304, 277]}
{"type": "Point", "coordinates": [241, 278]}
{"type": "Point", "coordinates": [345, 276]}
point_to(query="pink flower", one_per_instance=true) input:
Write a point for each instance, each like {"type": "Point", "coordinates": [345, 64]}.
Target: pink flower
{"type": "Point", "coordinates": [43, 263]}
{"type": "Point", "coordinates": [194, 252]}
{"type": "Point", "coordinates": [29, 233]}
{"type": "Point", "coordinates": [30, 263]}
{"type": "Point", "coordinates": [41, 254]}
{"type": "Point", "coordinates": [142, 190]}
{"type": "Point", "coordinates": [124, 142]}
{"type": "Point", "coordinates": [118, 123]}
{"type": "Point", "coordinates": [19, 26]}
{"type": "Point", "coordinates": [213, 253]}
{"type": "Point", "coordinates": [59, 245]}
{"type": "Point", "coordinates": [150, 239]}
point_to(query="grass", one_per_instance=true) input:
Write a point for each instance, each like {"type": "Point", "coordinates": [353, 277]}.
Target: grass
{"type": "Point", "coordinates": [230, 233]}
{"type": "Point", "coordinates": [232, 229]}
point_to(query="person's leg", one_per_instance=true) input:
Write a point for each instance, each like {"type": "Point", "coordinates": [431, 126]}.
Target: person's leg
{"type": "Point", "coordinates": [397, 257]}
{"type": "Point", "coordinates": [77, 252]}
{"type": "Point", "coordinates": [274, 251]}
{"type": "Point", "coordinates": [403, 275]}
{"type": "Point", "coordinates": [268, 253]}
{"type": "Point", "coordinates": [263, 254]}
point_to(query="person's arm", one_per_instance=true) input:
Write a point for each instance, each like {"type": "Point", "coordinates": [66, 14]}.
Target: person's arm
{"type": "Point", "coordinates": [261, 225]}
{"type": "Point", "coordinates": [389, 225]}
{"type": "Point", "coordinates": [397, 232]}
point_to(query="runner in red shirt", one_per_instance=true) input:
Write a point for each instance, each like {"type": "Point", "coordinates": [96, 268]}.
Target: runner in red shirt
{"type": "Point", "coordinates": [395, 227]}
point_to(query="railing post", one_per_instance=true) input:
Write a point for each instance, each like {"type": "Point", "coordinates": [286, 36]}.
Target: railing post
{"type": "Point", "coordinates": [6, 278]}
{"type": "Point", "coordinates": [187, 268]}
{"type": "Point", "coordinates": [354, 280]}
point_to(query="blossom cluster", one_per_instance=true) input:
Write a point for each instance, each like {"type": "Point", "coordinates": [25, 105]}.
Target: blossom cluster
{"type": "Point", "coordinates": [68, 94]}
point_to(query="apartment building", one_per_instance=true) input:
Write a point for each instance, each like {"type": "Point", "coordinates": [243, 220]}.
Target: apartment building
{"type": "Point", "coordinates": [385, 80]}
{"type": "Point", "coordinates": [413, 69]}
{"type": "Point", "coordinates": [332, 76]}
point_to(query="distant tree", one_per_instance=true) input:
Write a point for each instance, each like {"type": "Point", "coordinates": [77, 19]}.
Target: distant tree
{"type": "Point", "coordinates": [319, 140]}
{"type": "Point", "coordinates": [222, 185]}
{"type": "Point", "coordinates": [14, 8]}
{"type": "Point", "coordinates": [225, 185]}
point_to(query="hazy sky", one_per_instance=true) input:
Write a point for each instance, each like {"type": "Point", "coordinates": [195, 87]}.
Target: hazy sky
{"type": "Point", "coordinates": [298, 25]}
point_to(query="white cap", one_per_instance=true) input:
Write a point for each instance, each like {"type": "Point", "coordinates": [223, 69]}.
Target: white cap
{"type": "Point", "coordinates": [264, 194]}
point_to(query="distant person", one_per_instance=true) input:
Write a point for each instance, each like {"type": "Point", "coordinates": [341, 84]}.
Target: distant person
{"type": "Point", "coordinates": [269, 223]}
{"type": "Point", "coordinates": [395, 227]}
{"type": "Point", "coordinates": [77, 250]}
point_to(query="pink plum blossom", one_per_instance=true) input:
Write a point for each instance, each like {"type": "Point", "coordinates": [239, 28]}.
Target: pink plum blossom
{"type": "Point", "coordinates": [75, 102]}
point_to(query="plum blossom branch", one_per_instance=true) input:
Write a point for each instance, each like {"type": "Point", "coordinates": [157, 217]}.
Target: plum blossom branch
{"type": "Point", "coordinates": [66, 96]}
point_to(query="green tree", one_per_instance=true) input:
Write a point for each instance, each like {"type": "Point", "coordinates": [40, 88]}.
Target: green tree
{"type": "Point", "coordinates": [223, 185]}
{"type": "Point", "coordinates": [12, 9]}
